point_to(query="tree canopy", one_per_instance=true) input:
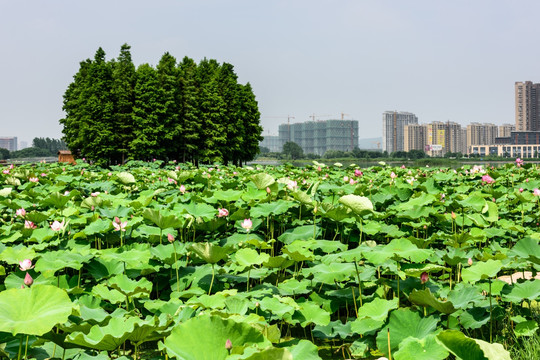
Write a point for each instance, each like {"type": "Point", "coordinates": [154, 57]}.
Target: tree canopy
{"type": "Point", "coordinates": [174, 111]}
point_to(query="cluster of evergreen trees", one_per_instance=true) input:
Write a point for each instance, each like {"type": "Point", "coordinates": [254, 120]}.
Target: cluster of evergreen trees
{"type": "Point", "coordinates": [175, 111]}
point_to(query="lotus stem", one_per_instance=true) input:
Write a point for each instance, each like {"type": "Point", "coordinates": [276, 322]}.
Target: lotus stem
{"type": "Point", "coordinates": [389, 348]}
{"type": "Point", "coordinates": [248, 279]}
{"type": "Point", "coordinates": [490, 314]}
{"type": "Point", "coordinates": [211, 282]}
{"type": "Point", "coordinates": [359, 285]}
{"type": "Point", "coordinates": [26, 348]}
{"type": "Point", "coordinates": [20, 348]}
{"type": "Point", "coordinates": [176, 263]}
{"type": "Point", "coordinates": [354, 300]}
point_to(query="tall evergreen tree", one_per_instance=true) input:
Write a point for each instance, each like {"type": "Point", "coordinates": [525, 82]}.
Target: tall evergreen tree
{"type": "Point", "coordinates": [251, 123]}
{"type": "Point", "coordinates": [189, 111]}
{"type": "Point", "coordinates": [147, 130]}
{"type": "Point", "coordinates": [123, 97]}
{"type": "Point", "coordinates": [212, 113]}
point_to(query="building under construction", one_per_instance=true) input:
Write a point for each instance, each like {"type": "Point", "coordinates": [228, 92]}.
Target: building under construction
{"type": "Point", "coordinates": [317, 137]}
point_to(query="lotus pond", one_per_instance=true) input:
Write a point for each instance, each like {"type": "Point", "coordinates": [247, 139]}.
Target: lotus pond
{"type": "Point", "coordinates": [160, 261]}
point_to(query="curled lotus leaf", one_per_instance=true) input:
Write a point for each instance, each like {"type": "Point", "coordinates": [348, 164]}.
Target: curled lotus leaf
{"type": "Point", "coordinates": [467, 348]}
{"type": "Point", "coordinates": [358, 204]}
{"type": "Point", "coordinates": [105, 337]}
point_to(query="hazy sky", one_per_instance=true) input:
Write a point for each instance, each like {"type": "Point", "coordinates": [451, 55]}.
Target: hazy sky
{"type": "Point", "coordinates": [442, 60]}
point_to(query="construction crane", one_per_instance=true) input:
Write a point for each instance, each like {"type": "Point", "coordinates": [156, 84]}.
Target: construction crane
{"type": "Point", "coordinates": [378, 144]}
{"type": "Point", "coordinates": [289, 117]}
{"type": "Point", "coordinates": [313, 117]}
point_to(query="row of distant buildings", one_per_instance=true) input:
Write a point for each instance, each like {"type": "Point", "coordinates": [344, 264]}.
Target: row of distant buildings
{"type": "Point", "coordinates": [402, 132]}
{"type": "Point", "coordinates": [9, 143]}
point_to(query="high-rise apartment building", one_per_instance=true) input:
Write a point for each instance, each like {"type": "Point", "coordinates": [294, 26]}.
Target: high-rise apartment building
{"type": "Point", "coordinates": [415, 137]}
{"type": "Point", "coordinates": [444, 137]}
{"type": "Point", "coordinates": [505, 130]}
{"type": "Point", "coordinates": [9, 143]}
{"type": "Point", "coordinates": [393, 129]}
{"type": "Point", "coordinates": [481, 134]}
{"type": "Point", "coordinates": [527, 96]}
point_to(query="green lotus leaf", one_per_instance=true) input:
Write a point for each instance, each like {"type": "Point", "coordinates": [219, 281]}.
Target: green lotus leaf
{"type": "Point", "coordinates": [464, 294]}
{"type": "Point", "coordinates": [404, 323]}
{"type": "Point", "coordinates": [294, 287]}
{"type": "Point", "coordinates": [272, 354]}
{"type": "Point", "coordinates": [204, 337]}
{"type": "Point", "coordinates": [236, 305]}
{"type": "Point", "coordinates": [201, 210]}
{"type": "Point", "coordinates": [526, 328]}
{"type": "Point", "coordinates": [302, 197]}
{"type": "Point", "coordinates": [358, 204]}
{"type": "Point", "coordinates": [161, 220]}
{"type": "Point", "coordinates": [225, 195]}
{"type": "Point", "coordinates": [328, 274]}
{"type": "Point", "coordinates": [298, 233]}
{"type": "Point", "coordinates": [525, 290]}
{"type": "Point", "coordinates": [61, 259]}
{"type": "Point", "coordinates": [475, 201]}
{"type": "Point", "coordinates": [135, 258]}
{"type": "Point", "coordinates": [55, 199]}
{"type": "Point", "coordinates": [126, 178]}
{"type": "Point", "coordinates": [15, 254]}
{"type": "Point", "coordinates": [527, 248]}
{"type": "Point", "coordinates": [98, 226]}
{"type": "Point", "coordinates": [279, 306]}
{"type": "Point", "coordinates": [398, 248]}
{"type": "Point", "coordinates": [311, 313]}
{"type": "Point", "coordinates": [421, 349]}
{"type": "Point", "coordinates": [304, 350]}
{"type": "Point", "coordinates": [366, 326]}
{"type": "Point", "coordinates": [481, 271]}
{"type": "Point", "coordinates": [377, 309]}
{"type": "Point", "coordinates": [471, 349]}
{"type": "Point", "coordinates": [108, 337]}
{"type": "Point", "coordinates": [262, 180]}
{"type": "Point", "coordinates": [100, 268]}
{"type": "Point", "coordinates": [415, 270]}
{"type": "Point", "coordinates": [209, 252]}
{"type": "Point", "coordinates": [278, 262]}
{"type": "Point", "coordinates": [129, 287]}
{"type": "Point", "coordinates": [5, 192]}
{"type": "Point", "coordinates": [474, 318]}
{"type": "Point", "coordinates": [274, 208]}
{"type": "Point", "coordinates": [426, 298]}
{"type": "Point", "coordinates": [249, 257]}
{"type": "Point", "coordinates": [215, 301]}
{"type": "Point", "coordinates": [33, 311]}
{"type": "Point", "coordinates": [111, 295]}
{"type": "Point", "coordinates": [36, 217]}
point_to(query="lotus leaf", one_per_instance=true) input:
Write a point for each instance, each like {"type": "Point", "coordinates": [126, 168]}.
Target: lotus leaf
{"type": "Point", "coordinates": [129, 287]}
{"type": "Point", "coordinates": [377, 309]}
{"type": "Point", "coordinates": [527, 248]}
{"type": "Point", "coordinates": [33, 311]}
{"type": "Point", "coordinates": [249, 257]}
{"type": "Point", "coordinates": [404, 323]}
{"type": "Point", "coordinates": [526, 290]}
{"type": "Point", "coordinates": [526, 328]}
{"type": "Point", "coordinates": [426, 298]}
{"type": "Point", "coordinates": [107, 337]}
{"type": "Point", "coordinates": [209, 252]}
{"type": "Point", "coordinates": [358, 204]}
{"type": "Point", "coordinates": [481, 270]}
{"type": "Point", "coordinates": [262, 180]}
{"type": "Point", "coordinates": [424, 349]}
{"type": "Point", "coordinates": [16, 254]}
{"type": "Point", "coordinates": [204, 338]}
{"type": "Point", "coordinates": [471, 349]}
{"type": "Point", "coordinates": [126, 178]}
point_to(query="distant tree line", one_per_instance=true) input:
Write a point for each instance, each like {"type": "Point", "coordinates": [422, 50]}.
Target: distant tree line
{"type": "Point", "coordinates": [41, 147]}
{"type": "Point", "coordinates": [175, 111]}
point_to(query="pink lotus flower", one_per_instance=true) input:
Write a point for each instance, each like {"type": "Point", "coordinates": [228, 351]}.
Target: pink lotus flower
{"type": "Point", "coordinates": [424, 277]}
{"type": "Point", "coordinates": [223, 212]}
{"type": "Point", "coordinates": [29, 225]}
{"type": "Point", "coordinates": [57, 226]}
{"type": "Point", "coordinates": [94, 194]}
{"type": "Point", "coordinates": [358, 173]}
{"type": "Point", "coordinates": [487, 179]}
{"type": "Point", "coordinates": [403, 166]}
{"type": "Point", "coordinates": [182, 189]}
{"type": "Point", "coordinates": [28, 280]}
{"type": "Point", "coordinates": [519, 162]}
{"type": "Point", "coordinates": [520, 190]}
{"type": "Point", "coordinates": [170, 237]}
{"type": "Point", "coordinates": [33, 179]}
{"type": "Point", "coordinates": [247, 224]}
{"type": "Point", "coordinates": [20, 212]}
{"type": "Point", "coordinates": [393, 175]}
{"type": "Point", "coordinates": [228, 344]}
{"type": "Point", "coordinates": [319, 168]}
{"type": "Point", "coordinates": [536, 192]}
{"type": "Point", "coordinates": [352, 182]}
{"type": "Point", "coordinates": [6, 171]}
{"type": "Point", "coordinates": [43, 174]}
{"type": "Point", "coordinates": [25, 265]}
{"type": "Point", "coordinates": [118, 225]}
{"type": "Point", "coordinates": [292, 185]}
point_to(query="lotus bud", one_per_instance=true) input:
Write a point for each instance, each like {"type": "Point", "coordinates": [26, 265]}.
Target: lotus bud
{"type": "Point", "coordinates": [454, 215]}
{"type": "Point", "coordinates": [424, 277]}
{"type": "Point", "coordinates": [228, 344]}
{"type": "Point", "coordinates": [170, 238]}
{"type": "Point", "coordinates": [28, 280]}
{"type": "Point", "coordinates": [257, 304]}
{"type": "Point", "coordinates": [520, 190]}
{"type": "Point", "coordinates": [469, 261]}
{"type": "Point", "coordinates": [268, 191]}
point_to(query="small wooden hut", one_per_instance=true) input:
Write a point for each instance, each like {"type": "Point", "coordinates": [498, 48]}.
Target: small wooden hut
{"type": "Point", "coordinates": [65, 156]}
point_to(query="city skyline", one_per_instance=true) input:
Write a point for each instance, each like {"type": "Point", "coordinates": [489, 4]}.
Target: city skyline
{"type": "Point", "coordinates": [360, 58]}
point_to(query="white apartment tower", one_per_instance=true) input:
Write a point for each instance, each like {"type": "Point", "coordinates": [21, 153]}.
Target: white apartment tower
{"type": "Point", "coordinates": [393, 129]}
